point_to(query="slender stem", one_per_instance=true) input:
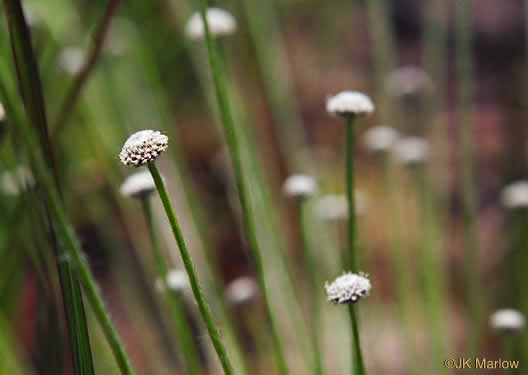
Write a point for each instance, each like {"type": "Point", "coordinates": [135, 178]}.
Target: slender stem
{"type": "Point", "coordinates": [310, 266]}
{"type": "Point", "coordinates": [191, 356]}
{"type": "Point", "coordinates": [243, 190]}
{"type": "Point", "coordinates": [359, 367]}
{"type": "Point", "coordinates": [193, 278]}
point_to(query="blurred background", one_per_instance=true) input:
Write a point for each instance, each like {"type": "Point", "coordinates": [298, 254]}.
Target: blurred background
{"type": "Point", "coordinates": [441, 242]}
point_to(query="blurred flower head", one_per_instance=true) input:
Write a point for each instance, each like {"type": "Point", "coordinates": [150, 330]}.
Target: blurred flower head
{"type": "Point", "coordinates": [143, 147]}
{"type": "Point", "coordinates": [138, 185]}
{"type": "Point", "coordinates": [300, 186]}
{"type": "Point", "coordinates": [71, 60]}
{"type": "Point", "coordinates": [241, 290]}
{"type": "Point", "coordinates": [380, 138]}
{"type": "Point", "coordinates": [16, 181]}
{"type": "Point", "coordinates": [348, 288]}
{"type": "Point", "coordinates": [177, 280]}
{"type": "Point", "coordinates": [408, 81]}
{"type": "Point", "coordinates": [349, 104]}
{"type": "Point", "coordinates": [507, 320]}
{"type": "Point", "coordinates": [335, 207]}
{"type": "Point", "coordinates": [411, 151]}
{"type": "Point", "coordinates": [515, 195]}
{"type": "Point", "coordinates": [221, 23]}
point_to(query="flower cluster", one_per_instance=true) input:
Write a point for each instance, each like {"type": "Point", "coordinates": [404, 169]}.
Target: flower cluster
{"type": "Point", "coordinates": [143, 147]}
{"type": "Point", "coordinates": [348, 288]}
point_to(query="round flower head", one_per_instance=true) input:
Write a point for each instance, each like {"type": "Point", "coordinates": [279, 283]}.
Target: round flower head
{"type": "Point", "coordinates": [507, 320]}
{"type": "Point", "coordinates": [241, 290]}
{"type": "Point", "coordinates": [335, 207]}
{"type": "Point", "coordinates": [411, 151]}
{"type": "Point", "coordinates": [221, 23]}
{"type": "Point", "coordinates": [16, 181]}
{"type": "Point", "coordinates": [138, 185]}
{"type": "Point", "coordinates": [71, 60]}
{"type": "Point", "coordinates": [348, 288]}
{"type": "Point", "coordinates": [349, 104]}
{"type": "Point", "coordinates": [515, 195]}
{"type": "Point", "coordinates": [408, 81]}
{"type": "Point", "coordinates": [177, 280]}
{"type": "Point", "coordinates": [300, 186]}
{"type": "Point", "coordinates": [380, 138]}
{"type": "Point", "coordinates": [143, 147]}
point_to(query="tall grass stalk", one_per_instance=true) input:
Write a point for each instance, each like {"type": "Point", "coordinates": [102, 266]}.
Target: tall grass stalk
{"type": "Point", "coordinates": [190, 354]}
{"type": "Point", "coordinates": [243, 189]}
{"type": "Point", "coordinates": [359, 367]}
{"type": "Point", "coordinates": [189, 267]}
{"type": "Point", "coordinates": [464, 76]}
{"type": "Point", "coordinates": [310, 266]}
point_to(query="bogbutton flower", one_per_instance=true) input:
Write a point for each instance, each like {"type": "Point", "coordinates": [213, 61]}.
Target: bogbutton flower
{"type": "Point", "coordinates": [348, 288]}
{"type": "Point", "coordinates": [221, 23]}
{"type": "Point", "coordinates": [349, 104]}
{"type": "Point", "coordinates": [16, 181]}
{"type": "Point", "coordinates": [300, 186]}
{"type": "Point", "coordinates": [411, 151]}
{"type": "Point", "coordinates": [335, 207]}
{"type": "Point", "coordinates": [143, 147]}
{"type": "Point", "coordinates": [507, 320]}
{"type": "Point", "coordinates": [380, 138]}
{"type": "Point", "coordinates": [138, 185]}
{"type": "Point", "coordinates": [177, 280]}
{"type": "Point", "coordinates": [71, 60]}
{"type": "Point", "coordinates": [515, 195]}
{"type": "Point", "coordinates": [241, 290]}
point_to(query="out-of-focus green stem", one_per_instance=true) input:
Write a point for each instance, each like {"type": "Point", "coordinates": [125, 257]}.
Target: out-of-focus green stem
{"type": "Point", "coordinates": [190, 354]}
{"type": "Point", "coordinates": [464, 76]}
{"type": "Point", "coordinates": [359, 367]}
{"type": "Point", "coordinates": [244, 194]}
{"type": "Point", "coordinates": [310, 266]}
{"type": "Point", "coordinates": [189, 267]}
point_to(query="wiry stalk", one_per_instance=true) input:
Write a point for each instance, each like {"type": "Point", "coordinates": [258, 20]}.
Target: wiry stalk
{"type": "Point", "coordinates": [189, 267]}
{"type": "Point", "coordinates": [243, 190]}
{"type": "Point", "coordinates": [188, 347]}
{"type": "Point", "coordinates": [359, 367]}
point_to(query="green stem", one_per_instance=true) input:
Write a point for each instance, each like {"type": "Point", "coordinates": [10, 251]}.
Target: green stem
{"type": "Point", "coordinates": [191, 356]}
{"type": "Point", "coordinates": [310, 265]}
{"type": "Point", "coordinates": [248, 218]}
{"type": "Point", "coordinates": [197, 291]}
{"type": "Point", "coordinates": [351, 255]}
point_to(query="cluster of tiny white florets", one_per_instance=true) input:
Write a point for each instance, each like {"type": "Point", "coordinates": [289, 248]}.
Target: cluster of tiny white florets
{"type": "Point", "coordinates": [507, 320]}
{"type": "Point", "coordinates": [300, 186]}
{"type": "Point", "coordinates": [349, 104]}
{"type": "Point", "coordinates": [411, 151]}
{"type": "Point", "coordinates": [241, 290]}
{"type": "Point", "coordinates": [143, 147]}
{"type": "Point", "coordinates": [71, 59]}
{"type": "Point", "coordinates": [380, 138]}
{"type": "Point", "coordinates": [17, 180]}
{"type": "Point", "coordinates": [515, 195]}
{"type": "Point", "coordinates": [348, 288]}
{"type": "Point", "coordinates": [221, 23]}
{"type": "Point", "coordinates": [408, 80]}
{"type": "Point", "coordinates": [2, 113]}
{"type": "Point", "coordinates": [335, 207]}
{"type": "Point", "coordinates": [177, 280]}
{"type": "Point", "coordinates": [139, 184]}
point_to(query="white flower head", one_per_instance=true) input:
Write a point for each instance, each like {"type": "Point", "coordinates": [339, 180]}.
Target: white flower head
{"type": "Point", "coordinates": [138, 185]}
{"type": "Point", "coordinates": [348, 288]}
{"type": "Point", "coordinates": [177, 280]}
{"type": "Point", "coordinates": [507, 320]}
{"type": "Point", "coordinates": [241, 290]}
{"type": "Point", "coordinates": [300, 186]}
{"type": "Point", "coordinates": [71, 60]}
{"type": "Point", "coordinates": [16, 181]}
{"type": "Point", "coordinates": [143, 147]}
{"type": "Point", "coordinates": [335, 207]}
{"type": "Point", "coordinates": [380, 138]}
{"type": "Point", "coordinates": [515, 195]}
{"type": "Point", "coordinates": [221, 23]}
{"type": "Point", "coordinates": [349, 104]}
{"type": "Point", "coordinates": [2, 113]}
{"type": "Point", "coordinates": [408, 81]}
{"type": "Point", "coordinates": [411, 151]}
